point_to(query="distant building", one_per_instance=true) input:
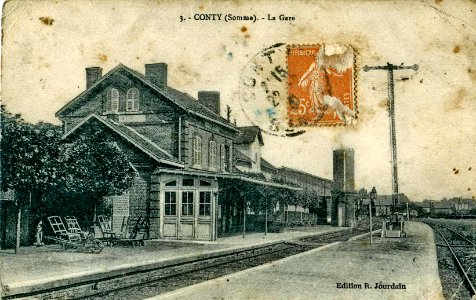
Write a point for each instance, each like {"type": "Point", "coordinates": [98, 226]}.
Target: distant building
{"type": "Point", "coordinates": [343, 165]}
{"type": "Point", "coordinates": [425, 205]}
{"type": "Point", "coordinates": [248, 160]}
{"type": "Point", "coordinates": [384, 203]}
{"type": "Point", "coordinates": [268, 170]}
{"type": "Point", "coordinates": [343, 191]}
{"type": "Point", "coordinates": [457, 205]}
{"type": "Point", "coordinates": [462, 205]}
{"type": "Point", "coordinates": [442, 208]}
{"type": "Point", "coordinates": [249, 142]}
{"type": "Point", "coordinates": [243, 163]}
{"type": "Point", "coordinates": [317, 187]}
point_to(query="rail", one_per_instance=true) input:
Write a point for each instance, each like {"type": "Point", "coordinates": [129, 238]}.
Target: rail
{"type": "Point", "coordinates": [466, 279]}
{"type": "Point", "coordinates": [470, 285]}
{"type": "Point", "coordinates": [185, 271]}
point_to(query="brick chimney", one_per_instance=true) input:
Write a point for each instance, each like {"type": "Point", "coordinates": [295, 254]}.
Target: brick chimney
{"type": "Point", "coordinates": [211, 100]}
{"type": "Point", "coordinates": [157, 74]}
{"type": "Point", "coordinates": [93, 74]}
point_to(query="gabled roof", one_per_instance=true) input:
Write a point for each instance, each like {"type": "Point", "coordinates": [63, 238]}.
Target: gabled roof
{"type": "Point", "coordinates": [289, 172]}
{"type": "Point", "coordinates": [237, 171]}
{"type": "Point", "coordinates": [384, 200]}
{"type": "Point", "coordinates": [240, 156]}
{"type": "Point", "coordinates": [267, 165]}
{"type": "Point", "coordinates": [183, 100]}
{"type": "Point", "coordinates": [442, 205]}
{"type": "Point", "coordinates": [388, 199]}
{"type": "Point", "coordinates": [132, 136]}
{"type": "Point", "coordinates": [248, 135]}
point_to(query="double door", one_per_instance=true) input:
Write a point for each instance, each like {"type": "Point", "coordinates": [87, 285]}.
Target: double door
{"type": "Point", "coordinates": [188, 214]}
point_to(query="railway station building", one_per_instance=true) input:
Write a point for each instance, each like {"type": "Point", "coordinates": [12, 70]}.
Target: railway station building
{"type": "Point", "coordinates": [317, 188]}
{"type": "Point", "coordinates": [248, 160]}
{"type": "Point", "coordinates": [191, 179]}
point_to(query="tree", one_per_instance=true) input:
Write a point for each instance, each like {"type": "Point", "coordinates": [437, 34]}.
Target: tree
{"type": "Point", "coordinates": [35, 162]}
{"type": "Point", "coordinates": [363, 193]}
{"type": "Point", "coordinates": [95, 167]}
{"type": "Point", "coordinates": [29, 159]}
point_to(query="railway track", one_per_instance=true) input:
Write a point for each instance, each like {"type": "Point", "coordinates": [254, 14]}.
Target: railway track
{"type": "Point", "coordinates": [151, 280]}
{"type": "Point", "coordinates": [461, 251]}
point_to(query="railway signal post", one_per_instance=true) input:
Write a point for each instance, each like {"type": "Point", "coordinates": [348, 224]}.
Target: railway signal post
{"type": "Point", "coordinates": [390, 68]}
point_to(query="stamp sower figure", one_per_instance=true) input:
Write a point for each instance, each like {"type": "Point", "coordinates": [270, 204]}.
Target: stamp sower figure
{"type": "Point", "coordinates": [317, 78]}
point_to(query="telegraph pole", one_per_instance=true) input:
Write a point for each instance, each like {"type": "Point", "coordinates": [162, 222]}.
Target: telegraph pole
{"type": "Point", "coordinates": [391, 113]}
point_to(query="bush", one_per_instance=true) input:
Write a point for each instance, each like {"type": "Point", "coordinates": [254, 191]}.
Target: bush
{"type": "Point", "coordinates": [276, 227]}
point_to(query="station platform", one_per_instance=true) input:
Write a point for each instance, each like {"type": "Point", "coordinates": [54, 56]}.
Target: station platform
{"type": "Point", "coordinates": [392, 268]}
{"type": "Point", "coordinates": [45, 265]}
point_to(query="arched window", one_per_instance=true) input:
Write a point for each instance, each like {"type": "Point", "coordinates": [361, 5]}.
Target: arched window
{"type": "Point", "coordinates": [112, 100]}
{"type": "Point", "coordinates": [132, 100]}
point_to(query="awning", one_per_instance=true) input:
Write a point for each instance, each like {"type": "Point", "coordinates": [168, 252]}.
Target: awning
{"type": "Point", "coordinates": [227, 176]}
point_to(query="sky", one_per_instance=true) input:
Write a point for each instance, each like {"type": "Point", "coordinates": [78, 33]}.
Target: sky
{"type": "Point", "coordinates": [48, 44]}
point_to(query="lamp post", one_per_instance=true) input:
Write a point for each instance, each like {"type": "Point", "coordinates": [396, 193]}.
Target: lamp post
{"type": "Point", "coordinates": [244, 218]}
{"type": "Point", "coordinates": [372, 196]}
{"type": "Point", "coordinates": [266, 217]}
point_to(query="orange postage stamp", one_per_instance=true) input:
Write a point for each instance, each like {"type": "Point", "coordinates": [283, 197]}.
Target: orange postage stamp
{"type": "Point", "coordinates": [320, 85]}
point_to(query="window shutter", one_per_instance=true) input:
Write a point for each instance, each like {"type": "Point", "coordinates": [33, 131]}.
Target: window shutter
{"type": "Point", "coordinates": [112, 100]}
{"type": "Point", "coordinates": [222, 160]}
{"type": "Point", "coordinates": [197, 151]}
{"type": "Point", "coordinates": [212, 154]}
{"type": "Point", "coordinates": [194, 160]}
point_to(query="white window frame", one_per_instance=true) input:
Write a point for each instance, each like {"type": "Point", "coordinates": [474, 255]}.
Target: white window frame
{"type": "Point", "coordinates": [132, 103]}
{"type": "Point", "coordinates": [188, 207]}
{"type": "Point", "coordinates": [197, 151]}
{"type": "Point", "coordinates": [205, 204]}
{"type": "Point", "coordinates": [112, 100]}
{"type": "Point", "coordinates": [168, 204]}
{"type": "Point", "coordinates": [212, 162]}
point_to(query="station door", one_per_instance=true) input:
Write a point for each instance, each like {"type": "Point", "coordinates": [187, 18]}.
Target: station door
{"type": "Point", "coordinates": [189, 212]}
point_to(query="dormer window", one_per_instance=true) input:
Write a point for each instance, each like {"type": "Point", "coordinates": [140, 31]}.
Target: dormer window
{"type": "Point", "coordinates": [132, 100]}
{"type": "Point", "coordinates": [112, 100]}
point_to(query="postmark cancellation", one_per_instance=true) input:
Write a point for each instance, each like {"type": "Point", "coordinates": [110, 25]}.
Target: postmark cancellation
{"type": "Point", "coordinates": [286, 88]}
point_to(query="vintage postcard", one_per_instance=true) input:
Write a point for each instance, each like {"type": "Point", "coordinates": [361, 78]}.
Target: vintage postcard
{"type": "Point", "coordinates": [238, 149]}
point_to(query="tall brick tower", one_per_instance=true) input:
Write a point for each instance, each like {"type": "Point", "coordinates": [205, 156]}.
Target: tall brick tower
{"type": "Point", "coordinates": [343, 191]}
{"type": "Point", "coordinates": [344, 170]}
